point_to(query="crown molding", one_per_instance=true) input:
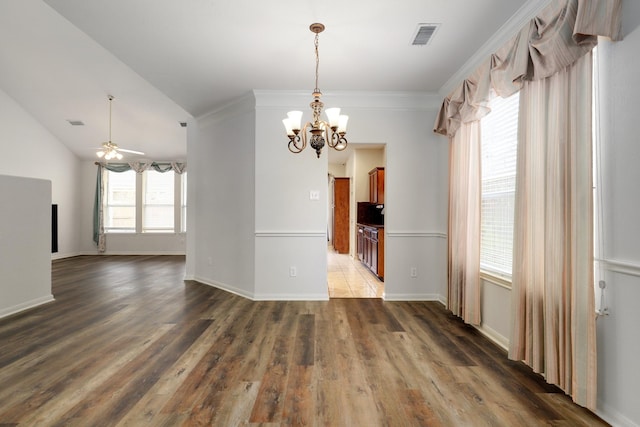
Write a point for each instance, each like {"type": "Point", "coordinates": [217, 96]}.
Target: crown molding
{"type": "Point", "coordinates": [509, 29]}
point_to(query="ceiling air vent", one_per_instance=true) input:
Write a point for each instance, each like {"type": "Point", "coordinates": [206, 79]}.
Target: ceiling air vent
{"type": "Point", "coordinates": [75, 122]}
{"type": "Point", "coordinates": [424, 33]}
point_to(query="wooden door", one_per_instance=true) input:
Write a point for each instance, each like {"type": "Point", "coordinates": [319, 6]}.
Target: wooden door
{"type": "Point", "coordinates": [341, 215]}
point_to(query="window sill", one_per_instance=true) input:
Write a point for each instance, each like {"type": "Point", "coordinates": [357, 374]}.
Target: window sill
{"type": "Point", "coordinates": [145, 233]}
{"type": "Point", "coordinates": [494, 279]}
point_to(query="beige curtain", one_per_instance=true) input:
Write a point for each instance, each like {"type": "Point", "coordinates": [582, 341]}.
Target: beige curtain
{"type": "Point", "coordinates": [552, 279]}
{"type": "Point", "coordinates": [552, 296]}
{"type": "Point", "coordinates": [463, 288]}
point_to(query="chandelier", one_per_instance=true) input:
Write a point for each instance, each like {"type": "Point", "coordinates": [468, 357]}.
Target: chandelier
{"type": "Point", "coordinates": [319, 129]}
{"type": "Point", "coordinates": [109, 149]}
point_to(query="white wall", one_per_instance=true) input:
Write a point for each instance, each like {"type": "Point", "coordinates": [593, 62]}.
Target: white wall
{"type": "Point", "coordinates": [31, 151]}
{"type": "Point", "coordinates": [25, 243]}
{"type": "Point", "coordinates": [618, 336]}
{"type": "Point", "coordinates": [337, 170]}
{"type": "Point", "coordinates": [290, 228]}
{"type": "Point", "coordinates": [293, 227]}
{"type": "Point", "coordinates": [254, 219]}
{"type": "Point", "coordinates": [221, 202]}
{"type": "Point", "coordinates": [495, 309]}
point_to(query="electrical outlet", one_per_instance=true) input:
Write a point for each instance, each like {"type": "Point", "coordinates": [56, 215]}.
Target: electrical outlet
{"type": "Point", "coordinates": [414, 272]}
{"type": "Point", "coordinates": [293, 272]}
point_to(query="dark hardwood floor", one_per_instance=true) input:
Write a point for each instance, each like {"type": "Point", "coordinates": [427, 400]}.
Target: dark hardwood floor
{"type": "Point", "coordinates": [127, 342]}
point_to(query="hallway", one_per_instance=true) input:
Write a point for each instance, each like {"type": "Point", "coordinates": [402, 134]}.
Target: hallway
{"type": "Point", "coordinates": [349, 278]}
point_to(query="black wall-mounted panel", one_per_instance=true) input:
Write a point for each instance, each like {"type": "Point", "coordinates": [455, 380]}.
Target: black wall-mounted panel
{"type": "Point", "coordinates": [54, 228]}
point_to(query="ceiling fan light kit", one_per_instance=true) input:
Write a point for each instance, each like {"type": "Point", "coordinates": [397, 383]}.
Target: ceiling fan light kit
{"type": "Point", "coordinates": [110, 150]}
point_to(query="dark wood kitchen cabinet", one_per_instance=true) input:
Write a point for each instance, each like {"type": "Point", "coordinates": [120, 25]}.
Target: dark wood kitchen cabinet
{"type": "Point", "coordinates": [371, 248]}
{"type": "Point", "coordinates": [341, 215]}
{"type": "Point", "coordinates": [376, 186]}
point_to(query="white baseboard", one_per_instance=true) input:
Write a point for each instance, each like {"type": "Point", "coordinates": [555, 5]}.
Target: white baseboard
{"type": "Point", "coordinates": [289, 297]}
{"type": "Point", "coordinates": [223, 286]}
{"type": "Point", "coordinates": [258, 297]}
{"type": "Point", "coordinates": [612, 416]}
{"type": "Point", "coordinates": [57, 255]}
{"type": "Point", "coordinates": [129, 253]}
{"type": "Point", "coordinates": [143, 253]}
{"type": "Point", "coordinates": [412, 297]}
{"type": "Point", "coordinates": [25, 306]}
{"type": "Point", "coordinates": [494, 336]}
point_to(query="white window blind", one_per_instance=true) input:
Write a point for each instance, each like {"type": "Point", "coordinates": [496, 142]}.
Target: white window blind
{"type": "Point", "coordinates": [183, 216]}
{"type": "Point", "coordinates": [120, 208]}
{"type": "Point", "coordinates": [499, 151]}
{"type": "Point", "coordinates": [158, 206]}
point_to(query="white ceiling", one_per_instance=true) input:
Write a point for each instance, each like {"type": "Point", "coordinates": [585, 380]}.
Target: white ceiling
{"type": "Point", "coordinates": [165, 61]}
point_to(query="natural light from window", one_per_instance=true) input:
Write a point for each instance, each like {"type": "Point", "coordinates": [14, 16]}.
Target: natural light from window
{"type": "Point", "coordinates": [158, 202]}
{"type": "Point", "coordinates": [499, 148]}
{"type": "Point", "coordinates": [120, 211]}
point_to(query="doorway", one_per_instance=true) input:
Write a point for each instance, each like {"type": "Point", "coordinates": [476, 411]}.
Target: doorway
{"type": "Point", "coordinates": [347, 275]}
{"type": "Point", "coordinates": [349, 278]}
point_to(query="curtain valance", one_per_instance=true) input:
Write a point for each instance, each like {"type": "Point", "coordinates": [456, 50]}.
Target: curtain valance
{"type": "Point", "coordinates": [140, 167]}
{"type": "Point", "coordinates": [561, 34]}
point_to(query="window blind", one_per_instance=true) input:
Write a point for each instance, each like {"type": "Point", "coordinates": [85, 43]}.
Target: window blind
{"type": "Point", "coordinates": [158, 208]}
{"type": "Point", "coordinates": [499, 137]}
{"type": "Point", "coordinates": [120, 209]}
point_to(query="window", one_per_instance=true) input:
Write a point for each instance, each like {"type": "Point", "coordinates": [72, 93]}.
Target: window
{"type": "Point", "coordinates": [183, 216]}
{"type": "Point", "coordinates": [120, 203]}
{"type": "Point", "coordinates": [158, 201]}
{"type": "Point", "coordinates": [150, 202]}
{"type": "Point", "coordinates": [499, 148]}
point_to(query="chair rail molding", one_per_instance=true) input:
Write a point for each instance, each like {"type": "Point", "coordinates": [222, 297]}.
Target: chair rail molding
{"type": "Point", "coordinates": [624, 267]}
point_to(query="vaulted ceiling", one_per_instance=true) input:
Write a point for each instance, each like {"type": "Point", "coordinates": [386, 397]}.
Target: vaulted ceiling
{"type": "Point", "coordinates": [165, 61]}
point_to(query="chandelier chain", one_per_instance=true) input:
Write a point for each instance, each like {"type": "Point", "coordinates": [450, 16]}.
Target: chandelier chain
{"type": "Point", "coordinates": [317, 61]}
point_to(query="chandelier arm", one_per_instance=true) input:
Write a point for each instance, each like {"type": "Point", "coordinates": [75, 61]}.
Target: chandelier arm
{"type": "Point", "coordinates": [327, 136]}
{"type": "Point", "coordinates": [293, 144]}
{"type": "Point", "coordinates": [298, 142]}
{"type": "Point", "coordinates": [333, 141]}
{"type": "Point", "coordinates": [303, 135]}
{"type": "Point", "coordinates": [342, 143]}
{"type": "Point", "coordinates": [337, 141]}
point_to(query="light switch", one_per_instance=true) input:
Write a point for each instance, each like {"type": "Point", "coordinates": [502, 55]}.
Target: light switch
{"type": "Point", "coordinates": [314, 195]}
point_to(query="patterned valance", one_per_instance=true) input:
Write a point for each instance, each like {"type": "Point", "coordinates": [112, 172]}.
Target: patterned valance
{"type": "Point", "coordinates": [563, 32]}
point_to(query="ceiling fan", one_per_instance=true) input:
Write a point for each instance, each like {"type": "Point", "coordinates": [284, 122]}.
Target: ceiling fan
{"type": "Point", "coordinates": [110, 150]}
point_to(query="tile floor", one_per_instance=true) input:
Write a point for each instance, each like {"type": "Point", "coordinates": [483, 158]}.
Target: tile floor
{"type": "Point", "coordinates": [349, 278]}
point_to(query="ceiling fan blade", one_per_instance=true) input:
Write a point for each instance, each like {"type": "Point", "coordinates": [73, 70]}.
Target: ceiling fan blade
{"type": "Point", "coordinates": [124, 150]}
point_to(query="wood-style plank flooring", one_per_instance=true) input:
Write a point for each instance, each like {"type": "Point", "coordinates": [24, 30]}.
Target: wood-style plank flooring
{"type": "Point", "coordinates": [127, 342]}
